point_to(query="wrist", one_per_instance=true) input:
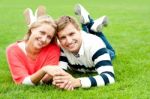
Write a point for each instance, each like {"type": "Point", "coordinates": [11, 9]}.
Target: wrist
{"type": "Point", "coordinates": [78, 83]}
{"type": "Point", "coordinates": [44, 69]}
{"type": "Point", "coordinates": [85, 82]}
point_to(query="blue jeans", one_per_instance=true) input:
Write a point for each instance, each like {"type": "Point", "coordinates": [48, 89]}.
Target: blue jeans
{"type": "Point", "coordinates": [87, 28]}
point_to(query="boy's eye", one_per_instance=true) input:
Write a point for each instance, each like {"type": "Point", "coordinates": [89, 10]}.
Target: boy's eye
{"type": "Point", "coordinates": [72, 33]}
{"type": "Point", "coordinates": [62, 38]}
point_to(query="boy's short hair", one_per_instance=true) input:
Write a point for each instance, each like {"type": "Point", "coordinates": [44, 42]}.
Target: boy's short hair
{"type": "Point", "coordinates": [63, 21]}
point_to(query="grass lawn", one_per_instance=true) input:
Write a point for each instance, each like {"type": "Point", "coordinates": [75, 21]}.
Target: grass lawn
{"type": "Point", "coordinates": [128, 32]}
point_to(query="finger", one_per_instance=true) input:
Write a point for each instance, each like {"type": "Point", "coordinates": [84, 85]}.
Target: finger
{"type": "Point", "coordinates": [55, 78]}
{"type": "Point", "coordinates": [58, 85]}
{"type": "Point", "coordinates": [62, 85]}
{"type": "Point", "coordinates": [60, 78]}
{"type": "Point", "coordinates": [54, 83]}
{"type": "Point", "coordinates": [69, 86]}
{"type": "Point", "coordinates": [72, 88]}
{"type": "Point", "coordinates": [59, 73]}
{"type": "Point", "coordinates": [59, 81]}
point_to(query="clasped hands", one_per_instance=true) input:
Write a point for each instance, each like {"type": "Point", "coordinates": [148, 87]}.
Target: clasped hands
{"type": "Point", "coordinates": [66, 81]}
{"type": "Point", "coordinates": [62, 79]}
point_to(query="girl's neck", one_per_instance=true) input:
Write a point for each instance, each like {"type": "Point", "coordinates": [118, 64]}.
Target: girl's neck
{"type": "Point", "coordinates": [31, 51]}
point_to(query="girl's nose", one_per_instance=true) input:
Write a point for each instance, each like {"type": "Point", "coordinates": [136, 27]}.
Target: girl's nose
{"type": "Point", "coordinates": [44, 38]}
{"type": "Point", "coordinates": [69, 39]}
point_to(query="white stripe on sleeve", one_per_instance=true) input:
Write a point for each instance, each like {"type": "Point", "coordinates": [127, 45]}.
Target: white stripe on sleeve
{"type": "Point", "coordinates": [63, 65]}
{"type": "Point", "coordinates": [85, 82]}
{"type": "Point", "coordinates": [102, 57]}
{"type": "Point", "coordinates": [27, 81]}
{"type": "Point", "coordinates": [105, 68]}
{"type": "Point", "coordinates": [111, 79]}
{"type": "Point", "coordinates": [99, 80]}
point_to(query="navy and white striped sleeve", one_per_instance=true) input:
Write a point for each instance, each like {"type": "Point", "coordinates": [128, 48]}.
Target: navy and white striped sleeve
{"type": "Point", "coordinates": [63, 61]}
{"type": "Point", "coordinates": [103, 66]}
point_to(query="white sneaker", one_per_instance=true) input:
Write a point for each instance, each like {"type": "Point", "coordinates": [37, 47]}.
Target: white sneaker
{"type": "Point", "coordinates": [40, 11]}
{"type": "Point", "coordinates": [99, 23]}
{"type": "Point", "coordinates": [29, 17]}
{"type": "Point", "coordinates": [84, 15]}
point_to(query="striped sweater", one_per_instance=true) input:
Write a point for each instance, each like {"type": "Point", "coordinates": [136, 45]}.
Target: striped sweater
{"type": "Point", "coordinates": [92, 57]}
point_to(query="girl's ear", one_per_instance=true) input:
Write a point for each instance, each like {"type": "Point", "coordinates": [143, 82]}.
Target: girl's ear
{"type": "Point", "coordinates": [40, 11]}
{"type": "Point", "coordinates": [29, 17]}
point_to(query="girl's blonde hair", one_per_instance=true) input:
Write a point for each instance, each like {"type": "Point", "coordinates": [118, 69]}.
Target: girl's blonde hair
{"type": "Point", "coordinates": [45, 19]}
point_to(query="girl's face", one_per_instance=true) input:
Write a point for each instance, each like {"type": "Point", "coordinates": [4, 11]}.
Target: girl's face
{"type": "Point", "coordinates": [41, 36]}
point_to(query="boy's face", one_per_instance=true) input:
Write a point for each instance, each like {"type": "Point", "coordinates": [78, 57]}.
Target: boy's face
{"type": "Point", "coordinates": [70, 38]}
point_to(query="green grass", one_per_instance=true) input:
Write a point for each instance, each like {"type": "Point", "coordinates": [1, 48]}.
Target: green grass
{"type": "Point", "coordinates": [128, 32]}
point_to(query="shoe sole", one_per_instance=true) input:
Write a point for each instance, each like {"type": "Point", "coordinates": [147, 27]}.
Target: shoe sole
{"type": "Point", "coordinates": [78, 12]}
{"type": "Point", "coordinates": [40, 11]}
{"type": "Point", "coordinates": [99, 24]}
{"type": "Point", "coordinates": [78, 9]}
{"type": "Point", "coordinates": [104, 23]}
{"type": "Point", "coordinates": [27, 13]}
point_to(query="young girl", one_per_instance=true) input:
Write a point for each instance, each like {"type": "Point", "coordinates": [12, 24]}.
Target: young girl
{"type": "Point", "coordinates": [35, 58]}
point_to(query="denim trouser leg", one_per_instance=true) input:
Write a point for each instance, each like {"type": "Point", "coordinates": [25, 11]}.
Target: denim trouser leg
{"type": "Point", "coordinates": [110, 49]}
{"type": "Point", "coordinates": [87, 28]}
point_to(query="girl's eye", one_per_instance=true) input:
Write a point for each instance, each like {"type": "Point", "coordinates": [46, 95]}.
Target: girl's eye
{"type": "Point", "coordinates": [42, 33]}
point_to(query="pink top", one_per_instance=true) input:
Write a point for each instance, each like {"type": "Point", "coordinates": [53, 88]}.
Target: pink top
{"type": "Point", "coordinates": [22, 66]}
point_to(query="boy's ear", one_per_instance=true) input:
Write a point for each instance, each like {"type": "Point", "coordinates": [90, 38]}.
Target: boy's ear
{"type": "Point", "coordinates": [40, 11]}
{"type": "Point", "coordinates": [29, 17]}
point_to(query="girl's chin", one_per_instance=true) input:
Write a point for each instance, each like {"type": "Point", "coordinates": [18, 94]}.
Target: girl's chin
{"type": "Point", "coordinates": [38, 47]}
